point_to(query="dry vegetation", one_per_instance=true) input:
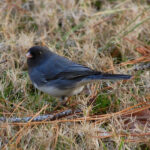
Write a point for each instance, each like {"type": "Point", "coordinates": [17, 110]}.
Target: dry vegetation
{"type": "Point", "coordinates": [107, 35]}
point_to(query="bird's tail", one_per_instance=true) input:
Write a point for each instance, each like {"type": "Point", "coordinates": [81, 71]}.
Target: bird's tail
{"type": "Point", "coordinates": [112, 76]}
{"type": "Point", "coordinates": [103, 76]}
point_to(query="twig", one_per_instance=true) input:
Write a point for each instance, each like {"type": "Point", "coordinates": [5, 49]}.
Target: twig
{"type": "Point", "coordinates": [141, 67]}
{"type": "Point", "coordinates": [3, 61]}
{"type": "Point", "coordinates": [48, 117]}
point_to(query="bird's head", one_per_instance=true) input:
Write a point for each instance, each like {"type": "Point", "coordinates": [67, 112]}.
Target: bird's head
{"type": "Point", "coordinates": [36, 55]}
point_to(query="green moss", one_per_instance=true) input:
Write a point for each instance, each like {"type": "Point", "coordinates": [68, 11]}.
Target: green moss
{"type": "Point", "coordinates": [102, 101]}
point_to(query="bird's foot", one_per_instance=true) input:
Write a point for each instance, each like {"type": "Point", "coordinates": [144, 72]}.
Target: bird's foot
{"type": "Point", "coordinates": [65, 101]}
{"type": "Point", "coordinates": [62, 103]}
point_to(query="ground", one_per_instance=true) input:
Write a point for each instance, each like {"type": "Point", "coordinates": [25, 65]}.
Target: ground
{"type": "Point", "coordinates": [107, 35]}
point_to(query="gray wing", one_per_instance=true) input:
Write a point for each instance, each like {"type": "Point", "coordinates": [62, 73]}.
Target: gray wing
{"type": "Point", "coordinates": [74, 72]}
{"type": "Point", "coordinates": [60, 67]}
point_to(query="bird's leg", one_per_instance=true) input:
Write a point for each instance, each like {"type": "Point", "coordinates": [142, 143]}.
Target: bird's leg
{"type": "Point", "coordinates": [60, 103]}
{"type": "Point", "coordinates": [68, 99]}
{"type": "Point", "coordinates": [64, 100]}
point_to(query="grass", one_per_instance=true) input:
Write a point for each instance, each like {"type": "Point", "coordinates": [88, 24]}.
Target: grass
{"type": "Point", "coordinates": [110, 36]}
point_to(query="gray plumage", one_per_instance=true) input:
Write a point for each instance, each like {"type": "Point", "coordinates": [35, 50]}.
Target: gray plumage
{"type": "Point", "coordinates": [59, 76]}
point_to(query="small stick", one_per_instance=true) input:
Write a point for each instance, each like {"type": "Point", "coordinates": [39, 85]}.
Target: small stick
{"type": "Point", "coordinates": [48, 117]}
{"type": "Point", "coordinates": [141, 67]}
{"type": "Point", "coordinates": [3, 61]}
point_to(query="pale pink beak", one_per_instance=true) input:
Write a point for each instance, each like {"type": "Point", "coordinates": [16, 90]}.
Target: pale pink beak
{"type": "Point", "coordinates": [28, 55]}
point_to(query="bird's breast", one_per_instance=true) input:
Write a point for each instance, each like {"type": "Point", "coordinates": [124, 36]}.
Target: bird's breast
{"type": "Point", "coordinates": [56, 92]}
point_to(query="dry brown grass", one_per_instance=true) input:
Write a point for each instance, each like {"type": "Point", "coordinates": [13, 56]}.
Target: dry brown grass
{"type": "Point", "coordinates": [109, 36]}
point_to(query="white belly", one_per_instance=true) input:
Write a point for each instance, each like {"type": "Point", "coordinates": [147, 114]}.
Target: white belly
{"type": "Point", "coordinates": [53, 91]}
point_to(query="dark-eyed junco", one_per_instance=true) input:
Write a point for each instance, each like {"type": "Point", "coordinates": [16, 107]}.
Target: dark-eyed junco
{"type": "Point", "coordinates": [60, 77]}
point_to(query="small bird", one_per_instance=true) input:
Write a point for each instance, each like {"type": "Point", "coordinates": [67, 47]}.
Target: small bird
{"type": "Point", "coordinates": [59, 76]}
